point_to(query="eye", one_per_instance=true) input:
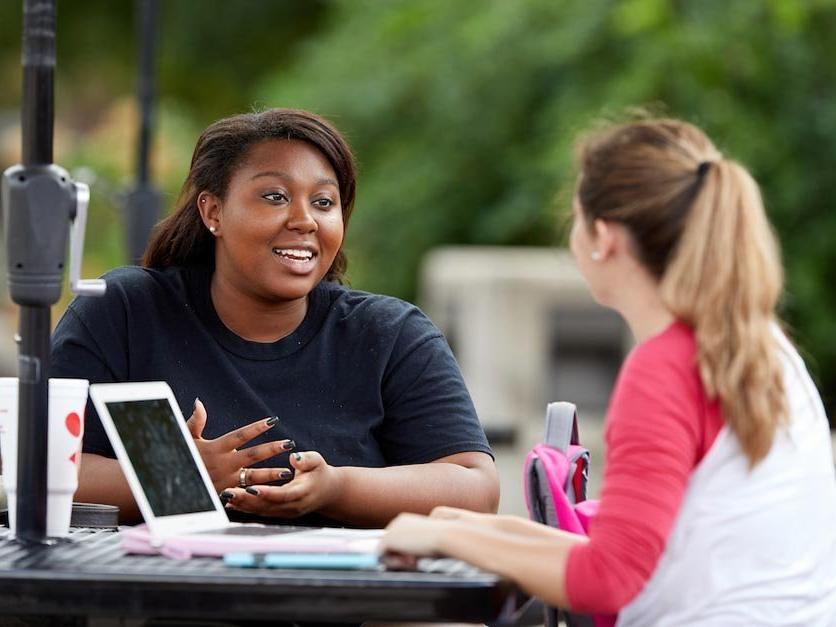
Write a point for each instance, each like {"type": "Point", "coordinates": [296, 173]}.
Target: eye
{"type": "Point", "coordinates": [324, 203]}
{"type": "Point", "coordinates": [275, 197]}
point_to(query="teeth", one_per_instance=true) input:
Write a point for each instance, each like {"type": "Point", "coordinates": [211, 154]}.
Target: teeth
{"type": "Point", "coordinates": [294, 253]}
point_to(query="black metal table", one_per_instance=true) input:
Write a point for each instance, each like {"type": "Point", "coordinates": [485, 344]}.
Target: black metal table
{"type": "Point", "coordinates": [91, 578]}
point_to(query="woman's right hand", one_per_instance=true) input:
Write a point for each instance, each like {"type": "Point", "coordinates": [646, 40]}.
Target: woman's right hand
{"type": "Point", "coordinates": [456, 513]}
{"type": "Point", "coordinates": [225, 460]}
{"type": "Point", "coordinates": [492, 521]}
{"type": "Point", "coordinates": [500, 522]}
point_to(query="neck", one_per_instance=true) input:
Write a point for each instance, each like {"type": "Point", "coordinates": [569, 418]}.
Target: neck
{"type": "Point", "coordinates": [646, 320]}
{"type": "Point", "coordinates": [640, 304]}
{"type": "Point", "coordinates": [253, 319]}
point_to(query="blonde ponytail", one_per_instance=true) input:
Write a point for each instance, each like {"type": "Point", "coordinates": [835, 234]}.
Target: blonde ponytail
{"type": "Point", "coordinates": [700, 228]}
{"type": "Point", "coordinates": [725, 279]}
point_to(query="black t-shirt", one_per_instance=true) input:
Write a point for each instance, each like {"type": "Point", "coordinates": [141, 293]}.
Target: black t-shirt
{"type": "Point", "coordinates": [365, 380]}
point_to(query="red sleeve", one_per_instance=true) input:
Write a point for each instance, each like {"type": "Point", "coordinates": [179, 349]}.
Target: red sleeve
{"type": "Point", "coordinates": [658, 427]}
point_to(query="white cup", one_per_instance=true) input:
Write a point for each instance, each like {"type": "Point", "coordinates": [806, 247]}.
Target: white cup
{"type": "Point", "coordinates": [67, 401]}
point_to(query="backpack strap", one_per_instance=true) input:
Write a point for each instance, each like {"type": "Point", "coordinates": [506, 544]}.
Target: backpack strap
{"type": "Point", "coordinates": [561, 425]}
{"type": "Point", "coordinates": [554, 469]}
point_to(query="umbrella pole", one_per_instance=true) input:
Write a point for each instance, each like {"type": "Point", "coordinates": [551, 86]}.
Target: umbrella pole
{"type": "Point", "coordinates": [142, 204]}
{"type": "Point", "coordinates": [39, 201]}
{"type": "Point", "coordinates": [33, 425]}
{"type": "Point", "coordinates": [38, 58]}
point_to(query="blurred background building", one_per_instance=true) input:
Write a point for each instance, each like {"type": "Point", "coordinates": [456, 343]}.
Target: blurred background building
{"type": "Point", "coordinates": [525, 331]}
{"type": "Point", "coordinates": [462, 116]}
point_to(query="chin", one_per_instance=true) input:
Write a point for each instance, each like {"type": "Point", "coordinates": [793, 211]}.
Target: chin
{"type": "Point", "coordinates": [293, 289]}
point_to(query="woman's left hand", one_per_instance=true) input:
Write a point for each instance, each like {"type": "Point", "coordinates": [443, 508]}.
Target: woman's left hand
{"type": "Point", "coordinates": [314, 486]}
{"type": "Point", "coordinates": [413, 534]}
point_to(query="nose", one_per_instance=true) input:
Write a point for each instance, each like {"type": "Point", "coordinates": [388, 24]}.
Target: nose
{"type": "Point", "coordinates": [300, 218]}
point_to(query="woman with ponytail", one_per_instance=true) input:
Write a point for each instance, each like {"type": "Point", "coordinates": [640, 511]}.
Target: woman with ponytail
{"type": "Point", "coordinates": [718, 503]}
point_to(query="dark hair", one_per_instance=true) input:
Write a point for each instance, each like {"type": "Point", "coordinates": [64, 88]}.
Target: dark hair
{"type": "Point", "coordinates": [182, 239]}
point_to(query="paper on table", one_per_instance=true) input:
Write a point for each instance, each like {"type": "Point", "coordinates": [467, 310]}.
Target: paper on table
{"type": "Point", "coordinates": [138, 540]}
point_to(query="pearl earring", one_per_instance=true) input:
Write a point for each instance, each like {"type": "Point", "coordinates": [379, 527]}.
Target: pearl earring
{"type": "Point", "coordinates": [212, 230]}
{"type": "Point", "coordinates": [596, 256]}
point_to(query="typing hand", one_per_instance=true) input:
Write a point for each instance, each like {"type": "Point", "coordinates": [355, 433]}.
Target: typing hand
{"type": "Point", "coordinates": [226, 462]}
{"type": "Point", "coordinates": [470, 517]}
{"type": "Point", "coordinates": [315, 486]}
{"type": "Point", "coordinates": [456, 513]}
{"type": "Point", "coordinates": [413, 534]}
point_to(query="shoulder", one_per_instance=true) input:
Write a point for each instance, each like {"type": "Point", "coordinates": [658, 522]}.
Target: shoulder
{"type": "Point", "coordinates": [143, 291]}
{"type": "Point", "coordinates": [659, 398]}
{"type": "Point", "coordinates": [376, 312]}
{"type": "Point", "coordinates": [669, 355]}
{"type": "Point", "coordinates": [349, 302]}
{"type": "Point", "coordinates": [139, 279]}
{"type": "Point", "coordinates": [136, 280]}
{"type": "Point", "coordinates": [661, 374]}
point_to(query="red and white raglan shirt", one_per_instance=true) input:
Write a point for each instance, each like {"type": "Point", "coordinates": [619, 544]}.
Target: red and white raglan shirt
{"type": "Point", "coordinates": [686, 532]}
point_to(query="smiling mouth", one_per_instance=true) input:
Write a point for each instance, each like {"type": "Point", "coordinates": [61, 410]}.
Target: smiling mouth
{"type": "Point", "coordinates": [294, 254]}
{"type": "Point", "coordinates": [299, 261]}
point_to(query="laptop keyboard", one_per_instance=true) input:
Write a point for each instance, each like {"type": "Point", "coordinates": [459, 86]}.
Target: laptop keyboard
{"type": "Point", "coordinates": [253, 530]}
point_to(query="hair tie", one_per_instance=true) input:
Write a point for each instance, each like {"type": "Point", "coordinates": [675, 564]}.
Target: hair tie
{"type": "Point", "coordinates": [702, 168]}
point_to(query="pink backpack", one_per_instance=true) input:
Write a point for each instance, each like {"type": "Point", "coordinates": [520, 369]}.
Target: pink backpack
{"type": "Point", "coordinates": [556, 472]}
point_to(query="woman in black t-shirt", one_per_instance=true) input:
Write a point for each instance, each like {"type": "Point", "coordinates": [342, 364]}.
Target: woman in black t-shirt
{"type": "Point", "coordinates": [239, 303]}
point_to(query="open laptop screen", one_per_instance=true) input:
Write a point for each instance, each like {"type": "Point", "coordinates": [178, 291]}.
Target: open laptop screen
{"type": "Point", "coordinates": [161, 458]}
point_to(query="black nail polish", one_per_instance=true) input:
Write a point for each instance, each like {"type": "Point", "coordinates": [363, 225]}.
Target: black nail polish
{"type": "Point", "coordinates": [285, 474]}
{"type": "Point", "coordinates": [272, 420]}
{"type": "Point", "coordinates": [252, 490]}
{"type": "Point", "coordinates": [298, 456]}
{"type": "Point", "coordinates": [226, 496]}
{"type": "Point", "coordinates": [289, 445]}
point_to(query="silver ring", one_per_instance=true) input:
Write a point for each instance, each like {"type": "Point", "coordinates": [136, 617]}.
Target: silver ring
{"type": "Point", "coordinates": [242, 478]}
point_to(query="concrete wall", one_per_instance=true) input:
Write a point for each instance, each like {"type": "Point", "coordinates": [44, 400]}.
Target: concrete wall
{"type": "Point", "coordinates": [525, 331]}
{"type": "Point", "coordinates": [524, 328]}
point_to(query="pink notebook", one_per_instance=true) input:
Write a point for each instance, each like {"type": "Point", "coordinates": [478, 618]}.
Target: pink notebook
{"type": "Point", "coordinates": [139, 540]}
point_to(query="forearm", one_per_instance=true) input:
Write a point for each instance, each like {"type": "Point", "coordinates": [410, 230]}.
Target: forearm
{"type": "Point", "coordinates": [519, 525]}
{"type": "Point", "coordinates": [101, 480]}
{"type": "Point", "coordinates": [374, 496]}
{"type": "Point", "coordinates": [535, 563]}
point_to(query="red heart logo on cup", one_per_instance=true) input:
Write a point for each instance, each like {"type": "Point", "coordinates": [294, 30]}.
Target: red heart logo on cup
{"type": "Point", "coordinates": [73, 423]}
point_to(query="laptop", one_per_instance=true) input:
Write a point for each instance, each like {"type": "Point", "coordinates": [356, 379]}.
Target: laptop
{"type": "Point", "coordinates": [183, 514]}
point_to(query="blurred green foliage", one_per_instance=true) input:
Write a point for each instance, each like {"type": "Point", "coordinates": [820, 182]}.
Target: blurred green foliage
{"type": "Point", "coordinates": [210, 55]}
{"type": "Point", "coordinates": [463, 114]}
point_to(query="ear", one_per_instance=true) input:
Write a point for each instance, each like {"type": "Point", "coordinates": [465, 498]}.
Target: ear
{"type": "Point", "coordinates": [606, 238]}
{"type": "Point", "coordinates": [210, 210]}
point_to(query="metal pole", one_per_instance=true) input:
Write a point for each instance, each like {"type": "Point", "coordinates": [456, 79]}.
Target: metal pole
{"type": "Point", "coordinates": [38, 58]}
{"type": "Point", "coordinates": [143, 202]}
{"type": "Point", "coordinates": [39, 201]}
{"type": "Point", "coordinates": [147, 10]}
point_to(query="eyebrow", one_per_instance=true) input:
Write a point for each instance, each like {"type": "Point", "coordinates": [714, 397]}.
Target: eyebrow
{"type": "Point", "coordinates": [327, 180]}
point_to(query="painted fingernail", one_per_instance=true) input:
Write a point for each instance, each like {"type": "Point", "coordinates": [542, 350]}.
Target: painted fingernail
{"type": "Point", "coordinates": [272, 420]}
{"type": "Point", "coordinates": [298, 457]}
{"type": "Point", "coordinates": [285, 474]}
{"type": "Point", "coordinates": [196, 399]}
{"type": "Point", "coordinates": [226, 496]}
{"type": "Point", "coordinates": [289, 445]}
{"type": "Point", "coordinates": [252, 490]}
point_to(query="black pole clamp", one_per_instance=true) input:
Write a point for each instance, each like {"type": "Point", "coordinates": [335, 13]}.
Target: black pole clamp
{"type": "Point", "coordinates": [39, 203]}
